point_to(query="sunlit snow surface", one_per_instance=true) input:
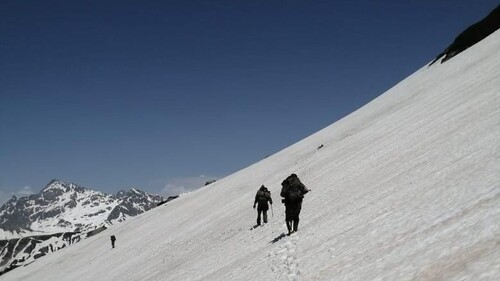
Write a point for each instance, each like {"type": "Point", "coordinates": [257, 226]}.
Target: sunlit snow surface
{"type": "Point", "coordinates": [406, 188]}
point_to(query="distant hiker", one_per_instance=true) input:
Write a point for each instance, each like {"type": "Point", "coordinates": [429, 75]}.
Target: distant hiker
{"type": "Point", "coordinates": [113, 239]}
{"type": "Point", "coordinates": [320, 147]}
{"type": "Point", "coordinates": [261, 198]}
{"type": "Point", "coordinates": [292, 191]}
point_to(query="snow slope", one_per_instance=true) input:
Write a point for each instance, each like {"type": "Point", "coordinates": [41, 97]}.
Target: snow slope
{"type": "Point", "coordinates": [405, 188]}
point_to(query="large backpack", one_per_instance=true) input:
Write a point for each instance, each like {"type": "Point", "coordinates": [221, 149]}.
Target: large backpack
{"type": "Point", "coordinates": [262, 197]}
{"type": "Point", "coordinates": [293, 189]}
{"type": "Point", "coordinates": [294, 195]}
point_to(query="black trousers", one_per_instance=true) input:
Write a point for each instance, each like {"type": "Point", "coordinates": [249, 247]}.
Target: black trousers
{"type": "Point", "coordinates": [292, 212]}
{"type": "Point", "coordinates": [264, 215]}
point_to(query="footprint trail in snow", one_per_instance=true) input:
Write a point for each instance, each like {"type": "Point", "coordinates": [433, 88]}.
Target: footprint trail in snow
{"type": "Point", "coordinates": [283, 260]}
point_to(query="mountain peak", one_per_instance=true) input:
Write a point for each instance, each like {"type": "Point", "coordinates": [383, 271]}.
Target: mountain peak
{"type": "Point", "coordinates": [131, 192]}
{"type": "Point", "coordinates": [53, 184]}
{"type": "Point", "coordinates": [136, 191]}
{"type": "Point", "coordinates": [59, 186]}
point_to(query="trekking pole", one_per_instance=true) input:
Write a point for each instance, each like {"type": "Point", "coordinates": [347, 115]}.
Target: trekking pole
{"type": "Point", "coordinates": [272, 212]}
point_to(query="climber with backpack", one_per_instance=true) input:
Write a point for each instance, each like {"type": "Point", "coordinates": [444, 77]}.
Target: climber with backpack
{"type": "Point", "coordinates": [261, 198]}
{"type": "Point", "coordinates": [292, 191]}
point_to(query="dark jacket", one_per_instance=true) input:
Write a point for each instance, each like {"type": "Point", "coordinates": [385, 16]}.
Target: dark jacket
{"type": "Point", "coordinates": [262, 197]}
{"type": "Point", "coordinates": [291, 185]}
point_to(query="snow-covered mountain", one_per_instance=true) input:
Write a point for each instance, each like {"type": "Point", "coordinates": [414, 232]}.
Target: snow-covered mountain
{"type": "Point", "coordinates": [60, 215]}
{"type": "Point", "coordinates": [67, 207]}
{"type": "Point", "coordinates": [405, 188]}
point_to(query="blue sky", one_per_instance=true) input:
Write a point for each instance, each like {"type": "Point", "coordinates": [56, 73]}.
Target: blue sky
{"type": "Point", "coordinates": [164, 95]}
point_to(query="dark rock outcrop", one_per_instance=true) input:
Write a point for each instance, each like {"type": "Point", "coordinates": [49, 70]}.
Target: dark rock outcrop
{"type": "Point", "coordinates": [209, 182]}
{"type": "Point", "coordinates": [170, 198]}
{"type": "Point", "coordinates": [471, 35]}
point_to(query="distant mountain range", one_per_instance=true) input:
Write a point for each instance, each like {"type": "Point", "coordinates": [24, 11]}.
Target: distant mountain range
{"type": "Point", "coordinates": [61, 214]}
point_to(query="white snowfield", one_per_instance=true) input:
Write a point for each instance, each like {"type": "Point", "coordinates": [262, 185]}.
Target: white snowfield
{"type": "Point", "coordinates": [405, 188]}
